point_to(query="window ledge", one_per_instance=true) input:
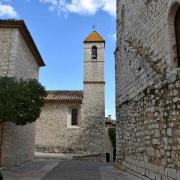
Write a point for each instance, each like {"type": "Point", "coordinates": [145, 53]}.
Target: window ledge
{"type": "Point", "coordinates": [73, 127]}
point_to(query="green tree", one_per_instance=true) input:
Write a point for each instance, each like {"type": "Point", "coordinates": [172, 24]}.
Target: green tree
{"type": "Point", "coordinates": [20, 100]}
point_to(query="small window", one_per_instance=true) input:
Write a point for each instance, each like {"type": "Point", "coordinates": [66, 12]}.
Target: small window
{"type": "Point", "coordinates": [74, 117]}
{"type": "Point", "coordinates": [94, 52]}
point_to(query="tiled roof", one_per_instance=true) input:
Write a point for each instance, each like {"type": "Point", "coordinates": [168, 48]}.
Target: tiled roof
{"type": "Point", "coordinates": [20, 24]}
{"type": "Point", "coordinates": [94, 37]}
{"type": "Point", "coordinates": [65, 96]}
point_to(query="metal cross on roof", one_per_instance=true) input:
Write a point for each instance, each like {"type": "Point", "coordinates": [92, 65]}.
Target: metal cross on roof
{"type": "Point", "coordinates": [94, 27]}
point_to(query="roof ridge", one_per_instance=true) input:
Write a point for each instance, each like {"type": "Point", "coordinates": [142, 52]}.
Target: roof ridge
{"type": "Point", "coordinates": [94, 37]}
{"type": "Point", "coordinates": [65, 95]}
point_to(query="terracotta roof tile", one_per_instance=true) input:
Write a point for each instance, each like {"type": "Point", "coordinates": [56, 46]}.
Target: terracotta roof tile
{"type": "Point", "coordinates": [65, 96]}
{"type": "Point", "coordinates": [20, 24]}
{"type": "Point", "coordinates": [94, 37]}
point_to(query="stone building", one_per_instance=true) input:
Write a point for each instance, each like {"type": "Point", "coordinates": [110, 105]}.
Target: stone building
{"type": "Point", "coordinates": [148, 87]}
{"type": "Point", "coordinates": [109, 147]}
{"type": "Point", "coordinates": [74, 121]}
{"type": "Point", "coordinates": [19, 57]}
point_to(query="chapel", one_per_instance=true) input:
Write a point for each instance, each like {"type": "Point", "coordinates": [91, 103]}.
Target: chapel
{"type": "Point", "coordinates": [73, 121]}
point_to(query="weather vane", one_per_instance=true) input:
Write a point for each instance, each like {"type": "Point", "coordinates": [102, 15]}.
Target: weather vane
{"type": "Point", "coordinates": [94, 27]}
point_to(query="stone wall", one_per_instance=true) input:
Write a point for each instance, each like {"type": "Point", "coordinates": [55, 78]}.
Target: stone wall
{"type": "Point", "coordinates": [94, 118]}
{"type": "Point", "coordinates": [8, 50]}
{"type": "Point", "coordinates": [94, 69]}
{"type": "Point", "coordinates": [16, 60]}
{"type": "Point", "coordinates": [108, 145]}
{"type": "Point", "coordinates": [93, 106]}
{"type": "Point", "coordinates": [88, 138]}
{"type": "Point", "coordinates": [147, 89]}
{"type": "Point", "coordinates": [91, 157]}
{"type": "Point", "coordinates": [54, 133]}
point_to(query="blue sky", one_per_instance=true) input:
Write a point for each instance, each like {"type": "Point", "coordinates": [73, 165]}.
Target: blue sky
{"type": "Point", "coordinates": [58, 28]}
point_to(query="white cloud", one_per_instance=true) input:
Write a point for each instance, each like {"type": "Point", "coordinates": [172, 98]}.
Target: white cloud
{"type": "Point", "coordinates": [7, 11]}
{"type": "Point", "coordinates": [82, 7]}
{"type": "Point", "coordinates": [110, 7]}
{"type": "Point", "coordinates": [114, 35]}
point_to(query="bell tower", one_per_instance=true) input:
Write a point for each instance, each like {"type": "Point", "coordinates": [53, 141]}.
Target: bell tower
{"type": "Point", "coordinates": [93, 107]}
{"type": "Point", "coordinates": [94, 46]}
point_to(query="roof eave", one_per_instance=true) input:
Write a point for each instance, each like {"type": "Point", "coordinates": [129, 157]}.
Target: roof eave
{"type": "Point", "coordinates": [94, 41]}
{"type": "Point", "coordinates": [64, 101]}
{"type": "Point", "coordinates": [20, 24]}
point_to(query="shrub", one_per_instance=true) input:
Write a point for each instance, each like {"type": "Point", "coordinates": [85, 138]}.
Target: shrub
{"type": "Point", "coordinates": [20, 100]}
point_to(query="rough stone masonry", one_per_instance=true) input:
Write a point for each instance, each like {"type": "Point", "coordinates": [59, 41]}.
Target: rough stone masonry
{"type": "Point", "coordinates": [148, 87]}
{"type": "Point", "coordinates": [19, 57]}
{"type": "Point", "coordinates": [56, 131]}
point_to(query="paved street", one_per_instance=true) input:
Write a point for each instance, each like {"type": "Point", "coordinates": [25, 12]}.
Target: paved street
{"type": "Point", "coordinates": [77, 170]}
{"type": "Point", "coordinates": [34, 170]}
{"type": "Point", "coordinates": [64, 168]}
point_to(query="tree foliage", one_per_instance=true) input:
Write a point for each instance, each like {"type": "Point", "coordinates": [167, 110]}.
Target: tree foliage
{"type": "Point", "coordinates": [20, 100]}
{"type": "Point", "coordinates": [112, 135]}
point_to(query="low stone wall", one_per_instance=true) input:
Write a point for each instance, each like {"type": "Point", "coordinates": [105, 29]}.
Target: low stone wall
{"type": "Point", "coordinates": [18, 143]}
{"type": "Point", "coordinates": [57, 149]}
{"type": "Point", "coordinates": [91, 157]}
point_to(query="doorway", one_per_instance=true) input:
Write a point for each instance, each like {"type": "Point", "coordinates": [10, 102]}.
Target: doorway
{"type": "Point", "coordinates": [108, 157]}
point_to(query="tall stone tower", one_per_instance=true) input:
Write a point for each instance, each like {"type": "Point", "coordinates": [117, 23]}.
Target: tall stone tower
{"type": "Point", "coordinates": [93, 107]}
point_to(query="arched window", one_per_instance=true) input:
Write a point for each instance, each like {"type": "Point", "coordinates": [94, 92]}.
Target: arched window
{"type": "Point", "coordinates": [94, 52]}
{"type": "Point", "coordinates": [177, 32]}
